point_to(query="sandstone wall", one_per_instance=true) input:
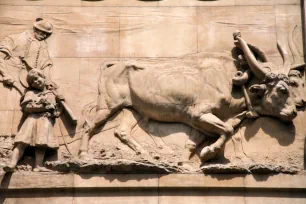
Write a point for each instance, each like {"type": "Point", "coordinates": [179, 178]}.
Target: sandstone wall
{"type": "Point", "coordinates": [87, 33]}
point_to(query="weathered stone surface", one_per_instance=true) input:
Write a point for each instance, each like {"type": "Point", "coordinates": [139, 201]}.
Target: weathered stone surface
{"type": "Point", "coordinates": [84, 31]}
{"type": "Point", "coordinates": [115, 166]}
{"type": "Point", "coordinates": [196, 3]}
{"type": "Point", "coordinates": [16, 19]}
{"type": "Point", "coordinates": [263, 162]}
{"type": "Point", "coordinates": [201, 196]}
{"type": "Point", "coordinates": [91, 188]}
{"type": "Point", "coordinates": [257, 23]}
{"type": "Point", "coordinates": [42, 2]}
{"type": "Point", "coordinates": [267, 2]}
{"type": "Point", "coordinates": [288, 20]}
{"type": "Point", "coordinates": [282, 197]}
{"type": "Point", "coordinates": [145, 28]}
{"type": "Point", "coordinates": [141, 197]}
{"type": "Point", "coordinates": [150, 181]}
{"type": "Point", "coordinates": [121, 3]}
{"type": "Point", "coordinates": [253, 168]}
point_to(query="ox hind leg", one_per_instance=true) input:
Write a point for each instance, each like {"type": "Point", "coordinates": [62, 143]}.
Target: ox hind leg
{"type": "Point", "coordinates": [210, 123]}
{"type": "Point", "coordinates": [123, 132]}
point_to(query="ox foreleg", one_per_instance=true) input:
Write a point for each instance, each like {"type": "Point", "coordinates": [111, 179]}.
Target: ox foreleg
{"type": "Point", "coordinates": [128, 121]}
{"type": "Point", "coordinates": [214, 149]}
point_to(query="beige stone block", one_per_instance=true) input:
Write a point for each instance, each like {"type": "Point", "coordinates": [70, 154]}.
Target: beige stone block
{"type": "Point", "coordinates": [42, 2]}
{"type": "Point", "coordinates": [6, 122]}
{"type": "Point", "coordinates": [67, 70]}
{"type": "Point", "coordinates": [287, 18]}
{"type": "Point", "coordinates": [49, 196]}
{"type": "Point", "coordinates": [19, 14]}
{"type": "Point", "coordinates": [200, 180]}
{"type": "Point", "coordinates": [266, 2]}
{"type": "Point", "coordinates": [157, 32]}
{"type": "Point", "coordinates": [196, 3]}
{"type": "Point", "coordinates": [30, 180]}
{"type": "Point", "coordinates": [62, 3]}
{"type": "Point", "coordinates": [22, 2]}
{"type": "Point", "coordinates": [83, 31]}
{"type": "Point", "coordinates": [117, 197]}
{"type": "Point", "coordinates": [16, 19]}
{"type": "Point", "coordinates": [207, 196]}
{"type": "Point", "coordinates": [89, 77]}
{"type": "Point", "coordinates": [217, 24]}
{"type": "Point", "coordinates": [279, 181]}
{"type": "Point", "coordinates": [45, 200]}
{"type": "Point", "coordinates": [66, 74]}
{"type": "Point", "coordinates": [279, 197]}
{"type": "Point", "coordinates": [120, 3]}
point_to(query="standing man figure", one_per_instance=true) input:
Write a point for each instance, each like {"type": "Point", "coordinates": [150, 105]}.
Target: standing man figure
{"type": "Point", "coordinates": [25, 51]}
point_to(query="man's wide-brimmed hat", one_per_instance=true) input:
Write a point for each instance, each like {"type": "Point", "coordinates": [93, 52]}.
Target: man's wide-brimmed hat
{"type": "Point", "coordinates": [43, 25]}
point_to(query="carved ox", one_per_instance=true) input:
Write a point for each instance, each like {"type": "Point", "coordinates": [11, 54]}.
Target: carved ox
{"type": "Point", "coordinates": [187, 95]}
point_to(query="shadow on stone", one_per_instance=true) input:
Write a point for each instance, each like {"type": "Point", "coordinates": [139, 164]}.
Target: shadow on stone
{"type": "Point", "coordinates": [283, 132]}
{"type": "Point", "coordinates": [122, 178]}
{"type": "Point", "coordinates": [6, 180]}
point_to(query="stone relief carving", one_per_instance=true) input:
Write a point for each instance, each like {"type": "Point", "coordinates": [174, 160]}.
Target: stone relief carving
{"type": "Point", "coordinates": [25, 51]}
{"type": "Point", "coordinates": [186, 95]}
{"type": "Point", "coordinates": [210, 93]}
{"type": "Point", "coordinates": [40, 101]}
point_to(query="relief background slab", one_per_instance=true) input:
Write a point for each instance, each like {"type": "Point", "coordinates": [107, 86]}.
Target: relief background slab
{"type": "Point", "coordinates": [86, 34]}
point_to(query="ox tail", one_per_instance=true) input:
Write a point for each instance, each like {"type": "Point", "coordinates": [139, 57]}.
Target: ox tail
{"type": "Point", "coordinates": [89, 111]}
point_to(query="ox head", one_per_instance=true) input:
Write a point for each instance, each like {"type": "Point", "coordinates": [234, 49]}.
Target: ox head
{"type": "Point", "coordinates": [273, 97]}
{"type": "Point", "coordinates": [277, 94]}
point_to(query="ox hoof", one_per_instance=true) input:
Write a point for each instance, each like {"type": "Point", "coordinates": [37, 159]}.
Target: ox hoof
{"type": "Point", "coordinates": [208, 153]}
{"type": "Point", "coordinates": [9, 169]}
{"type": "Point", "coordinates": [84, 156]}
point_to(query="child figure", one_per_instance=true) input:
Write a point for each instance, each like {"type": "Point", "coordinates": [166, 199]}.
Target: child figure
{"type": "Point", "coordinates": [41, 105]}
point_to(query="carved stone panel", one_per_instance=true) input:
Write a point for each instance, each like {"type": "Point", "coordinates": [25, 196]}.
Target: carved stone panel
{"type": "Point", "coordinates": [153, 86]}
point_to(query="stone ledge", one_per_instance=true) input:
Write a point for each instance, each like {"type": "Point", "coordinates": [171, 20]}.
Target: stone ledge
{"type": "Point", "coordinates": [19, 181]}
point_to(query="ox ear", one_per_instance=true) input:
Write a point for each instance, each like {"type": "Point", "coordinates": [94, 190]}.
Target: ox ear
{"type": "Point", "coordinates": [258, 89]}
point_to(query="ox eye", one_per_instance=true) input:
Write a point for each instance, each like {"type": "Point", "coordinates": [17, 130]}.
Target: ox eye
{"type": "Point", "coordinates": [294, 83]}
{"type": "Point", "coordinates": [282, 90]}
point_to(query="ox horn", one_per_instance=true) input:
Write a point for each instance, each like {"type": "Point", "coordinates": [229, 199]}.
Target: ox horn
{"type": "Point", "coordinates": [256, 68]}
{"type": "Point", "coordinates": [286, 61]}
{"type": "Point", "coordinates": [298, 63]}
